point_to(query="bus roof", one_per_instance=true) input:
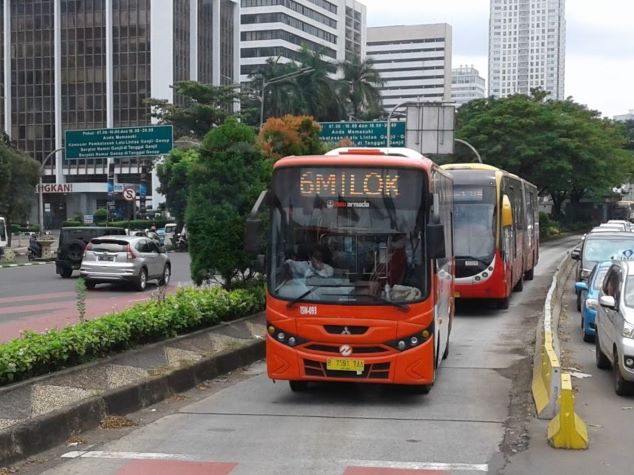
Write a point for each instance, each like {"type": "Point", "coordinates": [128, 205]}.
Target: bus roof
{"type": "Point", "coordinates": [479, 167]}
{"type": "Point", "coordinates": [361, 157]}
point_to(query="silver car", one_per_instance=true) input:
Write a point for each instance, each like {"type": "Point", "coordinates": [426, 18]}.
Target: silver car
{"type": "Point", "coordinates": [121, 259]}
{"type": "Point", "coordinates": [615, 324]}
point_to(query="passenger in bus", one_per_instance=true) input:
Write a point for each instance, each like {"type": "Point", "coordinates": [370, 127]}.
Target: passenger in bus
{"type": "Point", "coordinates": [313, 267]}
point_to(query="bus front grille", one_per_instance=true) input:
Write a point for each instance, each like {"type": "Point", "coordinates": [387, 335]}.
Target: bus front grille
{"type": "Point", "coordinates": [370, 371]}
{"type": "Point", "coordinates": [356, 350]}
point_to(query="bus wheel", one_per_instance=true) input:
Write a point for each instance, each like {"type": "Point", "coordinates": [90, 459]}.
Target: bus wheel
{"type": "Point", "coordinates": [446, 353]}
{"type": "Point", "coordinates": [419, 388]}
{"type": "Point", "coordinates": [529, 274]}
{"type": "Point", "coordinates": [298, 386]}
{"type": "Point", "coordinates": [520, 284]}
{"type": "Point", "coordinates": [503, 304]}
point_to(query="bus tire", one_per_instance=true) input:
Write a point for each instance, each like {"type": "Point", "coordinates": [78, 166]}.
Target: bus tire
{"type": "Point", "coordinates": [520, 284]}
{"type": "Point", "coordinates": [529, 274]}
{"type": "Point", "coordinates": [419, 388]}
{"type": "Point", "coordinates": [298, 386]}
{"type": "Point", "coordinates": [446, 353]}
{"type": "Point", "coordinates": [502, 304]}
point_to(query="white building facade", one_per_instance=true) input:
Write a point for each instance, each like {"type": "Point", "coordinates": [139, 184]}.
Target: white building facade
{"type": "Point", "coordinates": [625, 117]}
{"type": "Point", "coordinates": [279, 28]}
{"type": "Point", "coordinates": [95, 63]}
{"type": "Point", "coordinates": [466, 85]}
{"type": "Point", "coordinates": [414, 62]}
{"type": "Point", "coordinates": [527, 47]}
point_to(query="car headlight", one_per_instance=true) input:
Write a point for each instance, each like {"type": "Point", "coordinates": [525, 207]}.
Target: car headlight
{"type": "Point", "coordinates": [628, 330]}
{"type": "Point", "coordinates": [592, 303]}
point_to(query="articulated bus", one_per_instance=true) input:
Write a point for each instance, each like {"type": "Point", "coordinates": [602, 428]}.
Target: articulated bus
{"type": "Point", "coordinates": [496, 232]}
{"type": "Point", "coordinates": [359, 268]}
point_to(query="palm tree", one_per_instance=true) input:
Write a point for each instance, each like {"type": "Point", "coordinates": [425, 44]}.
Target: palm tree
{"type": "Point", "coordinates": [280, 97]}
{"type": "Point", "coordinates": [360, 88]}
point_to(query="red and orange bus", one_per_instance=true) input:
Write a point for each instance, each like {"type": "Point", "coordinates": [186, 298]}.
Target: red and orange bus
{"type": "Point", "coordinates": [496, 231]}
{"type": "Point", "coordinates": [374, 303]}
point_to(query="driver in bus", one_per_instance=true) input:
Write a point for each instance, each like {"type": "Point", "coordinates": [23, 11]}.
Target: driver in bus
{"type": "Point", "coordinates": [313, 267]}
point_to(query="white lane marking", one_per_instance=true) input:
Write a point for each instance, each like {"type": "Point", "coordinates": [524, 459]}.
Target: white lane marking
{"type": "Point", "coordinates": [473, 467]}
{"type": "Point", "coordinates": [102, 454]}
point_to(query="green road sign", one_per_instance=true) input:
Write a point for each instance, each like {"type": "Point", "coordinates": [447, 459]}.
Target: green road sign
{"type": "Point", "coordinates": [364, 134]}
{"type": "Point", "coordinates": [122, 142]}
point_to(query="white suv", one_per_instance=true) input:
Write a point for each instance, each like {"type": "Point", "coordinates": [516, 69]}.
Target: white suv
{"type": "Point", "coordinates": [615, 324]}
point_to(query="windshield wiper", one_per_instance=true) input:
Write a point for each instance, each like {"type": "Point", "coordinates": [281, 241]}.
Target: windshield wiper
{"type": "Point", "coordinates": [297, 299]}
{"type": "Point", "coordinates": [402, 306]}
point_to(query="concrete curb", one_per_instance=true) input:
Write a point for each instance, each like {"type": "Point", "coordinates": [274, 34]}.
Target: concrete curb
{"type": "Point", "coordinates": [46, 431]}
{"type": "Point", "coordinates": [24, 264]}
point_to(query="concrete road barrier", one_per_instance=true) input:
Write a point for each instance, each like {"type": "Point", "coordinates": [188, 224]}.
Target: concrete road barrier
{"type": "Point", "coordinates": [567, 430]}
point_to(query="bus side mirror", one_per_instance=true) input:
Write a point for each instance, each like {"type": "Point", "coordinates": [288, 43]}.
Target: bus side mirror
{"type": "Point", "coordinates": [507, 212]}
{"type": "Point", "coordinates": [436, 241]}
{"type": "Point", "coordinates": [252, 236]}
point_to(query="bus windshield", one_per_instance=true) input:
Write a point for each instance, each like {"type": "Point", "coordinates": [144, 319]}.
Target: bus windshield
{"type": "Point", "coordinates": [474, 222]}
{"type": "Point", "coordinates": [347, 235]}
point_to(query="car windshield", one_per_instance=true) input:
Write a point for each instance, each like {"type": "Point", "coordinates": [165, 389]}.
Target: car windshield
{"type": "Point", "coordinates": [347, 235]}
{"type": "Point", "coordinates": [598, 249]}
{"type": "Point", "coordinates": [629, 291]}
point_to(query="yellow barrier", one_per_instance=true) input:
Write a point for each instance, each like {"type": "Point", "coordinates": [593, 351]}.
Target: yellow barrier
{"type": "Point", "coordinates": [567, 430]}
{"type": "Point", "coordinates": [545, 385]}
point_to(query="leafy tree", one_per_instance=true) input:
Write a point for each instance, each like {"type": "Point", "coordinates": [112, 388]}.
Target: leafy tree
{"type": "Point", "coordinates": [19, 174]}
{"type": "Point", "coordinates": [173, 175]}
{"type": "Point", "coordinates": [360, 88]}
{"type": "Point", "coordinates": [224, 183]}
{"type": "Point", "coordinates": [564, 148]}
{"type": "Point", "coordinates": [290, 135]}
{"type": "Point", "coordinates": [199, 107]}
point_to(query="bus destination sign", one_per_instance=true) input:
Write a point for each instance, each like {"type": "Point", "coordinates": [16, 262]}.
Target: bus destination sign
{"type": "Point", "coordinates": [361, 183]}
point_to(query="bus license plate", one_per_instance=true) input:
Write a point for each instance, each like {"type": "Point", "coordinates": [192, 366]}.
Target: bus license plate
{"type": "Point", "coordinates": [344, 364]}
{"type": "Point", "coordinates": [471, 263]}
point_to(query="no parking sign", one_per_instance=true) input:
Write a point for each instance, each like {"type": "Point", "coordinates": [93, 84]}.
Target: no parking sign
{"type": "Point", "coordinates": [129, 194]}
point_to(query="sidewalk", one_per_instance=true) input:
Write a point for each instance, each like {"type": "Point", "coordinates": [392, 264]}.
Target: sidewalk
{"type": "Point", "coordinates": [16, 254]}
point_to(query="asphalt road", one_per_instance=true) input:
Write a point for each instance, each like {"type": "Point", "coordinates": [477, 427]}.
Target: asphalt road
{"type": "Point", "coordinates": [608, 417]}
{"type": "Point", "coordinates": [36, 298]}
{"type": "Point", "coordinates": [474, 419]}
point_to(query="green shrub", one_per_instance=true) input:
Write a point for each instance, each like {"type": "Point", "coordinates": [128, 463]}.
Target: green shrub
{"type": "Point", "coordinates": [189, 309]}
{"type": "Point", "coordinates": [101, 215]}
{"type": "Point", "coordinates": [72, 222]}
{"type": "Point", "coordinates": [547, 226]}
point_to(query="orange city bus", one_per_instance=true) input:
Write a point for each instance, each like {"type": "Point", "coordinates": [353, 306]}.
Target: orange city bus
{"type": "Point", "coordinates": [359, 268]}
{"type": "Point", "coordinates": [496, 237]}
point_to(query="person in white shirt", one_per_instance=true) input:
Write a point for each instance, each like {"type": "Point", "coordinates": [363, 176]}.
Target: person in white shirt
{"type": "Point", "coordinates": [314, 267]}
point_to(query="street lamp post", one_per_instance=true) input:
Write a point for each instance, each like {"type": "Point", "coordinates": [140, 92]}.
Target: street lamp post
{"type": "Point", "coordinates": [41, 198]}
{"type": "Point", "coordinates": [471, 147]}
{"type": "Point", "coordinates": [277, 79]}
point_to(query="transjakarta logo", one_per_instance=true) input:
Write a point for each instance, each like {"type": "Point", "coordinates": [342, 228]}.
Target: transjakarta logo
{"type": "Point", "coordinates": [347, 204]}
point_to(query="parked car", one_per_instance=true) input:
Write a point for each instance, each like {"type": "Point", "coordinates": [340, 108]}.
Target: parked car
{"type": "Point", "coordinates": [170, 230]}
{"type": "Point", "coordinates": [614, 341]}
{"type": "Point", "coordinates": [589, 292]}
{"type": "Point", "coordinates": [125, 259]}
{"type": "Point", "coordinates": [597, 247]}
{"type": "Point", "coordinates": [627, 226]}
{"type": "Point", "coordinates": [72, 241]}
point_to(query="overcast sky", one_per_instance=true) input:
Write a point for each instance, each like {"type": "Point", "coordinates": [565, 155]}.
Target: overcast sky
{"type": "Point", "coordinates": [599, 42]}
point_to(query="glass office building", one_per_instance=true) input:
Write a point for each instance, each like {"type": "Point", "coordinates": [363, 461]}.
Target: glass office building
{"type": "Point", "coordinates": [82, 64]}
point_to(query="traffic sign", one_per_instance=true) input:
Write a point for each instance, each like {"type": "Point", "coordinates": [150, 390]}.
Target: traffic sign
{"type": "Point", "coordinates": [129, 194]}
{"type": "Point", "coordinates": [364, 134]}
{"type": "Point", "coordinates": [121, 142]}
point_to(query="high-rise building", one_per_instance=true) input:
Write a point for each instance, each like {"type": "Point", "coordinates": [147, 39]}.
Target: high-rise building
{"type": "Point", "coordinates": [466, 85]}
{"type": "Point", "coordinates": [70, 64]}
{"type": "Point", "coordinates": [625, 117]}
{"type": "Point", "coordinates": [279, 28]}
{"type": "Point", "coordinates": [414, 62]}
{"type": "Point", "coordinates": [527, 46]}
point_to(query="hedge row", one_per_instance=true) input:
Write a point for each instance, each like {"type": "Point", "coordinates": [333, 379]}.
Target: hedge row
{"type": "Point", "coordinates": [189, 309]}
{"type": "Point", "coordinates": [128, 224]}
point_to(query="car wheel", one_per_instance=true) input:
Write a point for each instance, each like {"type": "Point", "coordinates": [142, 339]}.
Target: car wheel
{"type": "Point", "coordinates": [602, 361]}
{"type": "Point", "coordinates": [167, 273]}
{"type": "Point", "coordinates": [90, 284]}
{"type": "Point", "coordinates": [587, 337]}
{"type": "Point", "coordinates": [141, 280]}
{"type": "Point", "coordinates": [579, 302]}
{"type": "Point", "coordinates": [298, 386]}
{"type": "Point", "coordinates": [66, 272]}
{"type": "Point", "coordinates": [621, 386]}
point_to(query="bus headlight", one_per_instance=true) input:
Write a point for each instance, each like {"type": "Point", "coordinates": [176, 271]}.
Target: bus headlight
{"type": "Point", "coordinates": [592, 303]}
{"type": "Point", "coordinates": [412, 341]}
{"type": "Point", "coordinates": [628, 330]}
{"type": "Point", "coordinates": [284, 337]}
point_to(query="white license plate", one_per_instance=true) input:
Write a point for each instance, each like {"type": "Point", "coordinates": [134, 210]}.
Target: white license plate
{"type": "Point", "coordinates": [106, 258]}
